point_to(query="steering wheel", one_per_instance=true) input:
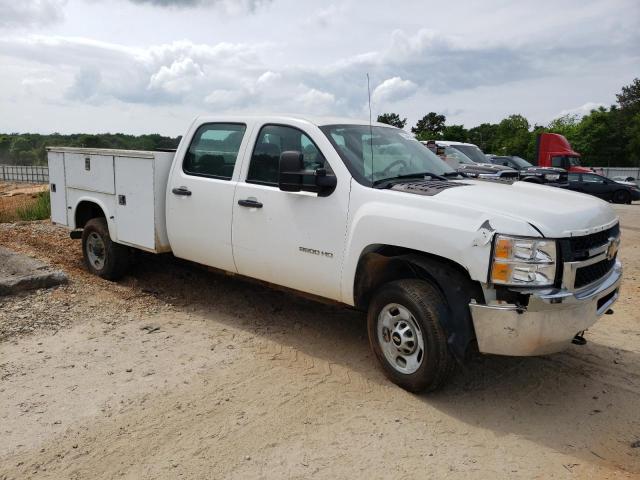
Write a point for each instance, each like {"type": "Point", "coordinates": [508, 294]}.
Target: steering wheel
{"type": "Point", "coordinates": [393, 164]}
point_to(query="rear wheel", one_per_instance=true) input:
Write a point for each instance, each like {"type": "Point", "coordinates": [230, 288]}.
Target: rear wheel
{"type": "Point", "coordinates": [102, 256]}
{"type": "Point", "coordinates": [406, 335]}
{"type": "Point", "coordinates": [621, 196]}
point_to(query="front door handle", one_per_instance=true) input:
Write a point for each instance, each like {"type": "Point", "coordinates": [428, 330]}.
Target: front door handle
{"type": "Point", "coordinates": [250, 203]}
{"type": "Point", "coordinates": [181, 191]}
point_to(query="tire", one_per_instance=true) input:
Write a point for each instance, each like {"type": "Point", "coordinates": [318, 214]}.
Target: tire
{"type": "Point", "coordinates": [621, 196]}
{"type": "Point", "coordinates": [410, 309]}
{"type": "Point", "coordinates": [103, 257]}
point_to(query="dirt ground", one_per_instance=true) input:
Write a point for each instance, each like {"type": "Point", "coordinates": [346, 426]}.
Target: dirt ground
{"type": "Point", "coordinates": [177, 372]}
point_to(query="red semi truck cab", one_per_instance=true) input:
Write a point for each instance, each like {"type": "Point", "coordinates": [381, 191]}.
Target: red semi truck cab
{"type": "Point", "coordinates": [554, 150]}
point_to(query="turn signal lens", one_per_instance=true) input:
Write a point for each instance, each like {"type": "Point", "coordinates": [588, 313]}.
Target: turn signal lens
{"type": "Point", "coordinates": [522, 261]}
{"type": "Point", "coordinates": [503, 248]}
{"type": "Point", "coordinates": [501, 272]}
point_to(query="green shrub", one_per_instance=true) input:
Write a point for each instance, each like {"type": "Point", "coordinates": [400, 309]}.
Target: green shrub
{"type": "Point", "coordinates": [40, 209]}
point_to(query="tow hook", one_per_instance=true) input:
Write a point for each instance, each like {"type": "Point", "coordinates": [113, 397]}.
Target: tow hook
{"type": "Point", "coordinates": [609, 312]}
{"type": "Point", "coordinates": [579, 339]}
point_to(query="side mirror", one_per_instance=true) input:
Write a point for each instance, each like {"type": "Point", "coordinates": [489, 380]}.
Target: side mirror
{"type": "Point", "coordinates": [290, 174]}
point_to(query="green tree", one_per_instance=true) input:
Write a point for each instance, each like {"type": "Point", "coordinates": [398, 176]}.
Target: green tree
{"type": "Point", "coordinates": [484, 136]}
{"type": "Point", "coordinates": [392, 119]}
{"type": "Point", "coordinates": [429, 127]}
{"type": "Point", "coordinates": [454, 133]}
{"type": "Point", "coordinates": [513, 136]}
{"type": "Point", "coordinates": [629, 97]}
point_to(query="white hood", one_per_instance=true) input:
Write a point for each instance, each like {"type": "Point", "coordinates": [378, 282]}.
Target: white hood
{"type": "Point", "coordinates": [554, 211]}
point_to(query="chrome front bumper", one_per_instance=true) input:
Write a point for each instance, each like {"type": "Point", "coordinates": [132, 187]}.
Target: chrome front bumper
{"type": "Point", "coordinates": [548, 323]}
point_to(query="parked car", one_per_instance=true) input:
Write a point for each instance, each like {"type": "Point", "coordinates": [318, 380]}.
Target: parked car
{"type": "Point", "coordinates": [556, 177]}
{"type": "Point", "coordinates": [603, 187]}
{"type": "Point", "coordinates": [359, 214]}
{"type": "Point", "coordinates": [460, 162]}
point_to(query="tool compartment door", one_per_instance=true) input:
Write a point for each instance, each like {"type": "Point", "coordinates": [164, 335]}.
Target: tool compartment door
{"type": "Point", "coordinates": [135, 202]}
{"type": "Point", "coordinates": [89, 172]}
{"type": "Point", "coordinates": [57, 188]}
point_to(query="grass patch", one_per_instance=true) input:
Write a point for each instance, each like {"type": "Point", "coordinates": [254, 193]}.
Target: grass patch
{"type": "Point", "coordinates": [39, 209]}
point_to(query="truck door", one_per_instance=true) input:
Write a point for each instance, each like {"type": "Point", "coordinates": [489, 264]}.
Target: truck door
{"type": "Point", "coordinates": [294, 239]}
{"type": "Point", "coordinates": [200, 195]}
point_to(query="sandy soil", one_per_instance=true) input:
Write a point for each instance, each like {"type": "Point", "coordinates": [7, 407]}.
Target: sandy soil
{"type": "Point", "coordinates": [176, 372]}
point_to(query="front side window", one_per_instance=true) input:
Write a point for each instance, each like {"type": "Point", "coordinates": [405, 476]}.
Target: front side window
{"type": "Point", "coordinates": [272, 141]}
{"type": "Point", "coordinates": [574, 177]}
{"type": "Point", "coordinates": [214, 150]}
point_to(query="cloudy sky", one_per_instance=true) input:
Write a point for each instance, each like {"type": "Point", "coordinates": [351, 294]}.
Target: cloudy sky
{"type": "Point", "coordinates": [141, 66]}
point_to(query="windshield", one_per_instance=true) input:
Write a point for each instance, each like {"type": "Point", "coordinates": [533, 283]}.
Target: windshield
{"type": "Point", "coordinates": [473, 152]}
{"type": "Point", "coordinates": [390, 153]}
{"type": "Point", "coordinates": [521, 162]}
{"type": "Point", "coordinates": [562, 160]}
{"type": "Point", "coordinates": [454, 158]}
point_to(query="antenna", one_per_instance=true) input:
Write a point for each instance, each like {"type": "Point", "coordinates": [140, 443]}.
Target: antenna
{"type": "Point", "coordinates": [370, 126]}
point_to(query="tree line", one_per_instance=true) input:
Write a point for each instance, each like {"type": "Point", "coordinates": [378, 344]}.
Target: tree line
{"type": "Point", "coordinates": [604, 137]}
{"type": "Point", "coordinates": [30, 148]}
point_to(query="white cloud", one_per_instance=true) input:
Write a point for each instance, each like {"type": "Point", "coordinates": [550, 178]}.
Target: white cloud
{"type": "Point", "coordinates": [476, 63]}
{"type": "Point", "coordinates": [316, 102]}
{"type": "Point", "coordinates": [178, 78]}
{"type": "Point", "coordinates": [233, 7]}
{"type": "Point", "coordinates": [582, 110]}
{"type": "Point", "coordinates": [393, 89]}
{"type": "Point", "coordinates": [28, 13]}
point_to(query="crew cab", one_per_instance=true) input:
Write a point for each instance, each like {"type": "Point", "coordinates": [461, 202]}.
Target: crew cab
{"type": "Point", "coordinates": [360, 214]}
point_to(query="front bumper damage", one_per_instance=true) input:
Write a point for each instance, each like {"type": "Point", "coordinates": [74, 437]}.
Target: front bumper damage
{"type": "Point", "coordinates": [548, 323]}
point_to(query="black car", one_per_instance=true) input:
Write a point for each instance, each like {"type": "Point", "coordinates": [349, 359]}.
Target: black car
{"type": "Point", "coordinates": [556, 177]}
{"type": "Point", "coordinates": [603, 187]}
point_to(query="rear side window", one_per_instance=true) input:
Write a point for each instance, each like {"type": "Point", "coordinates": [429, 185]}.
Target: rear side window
{"type": "Point", "coordinates": [574, 177]}
{"type": "Point", "coordinates": [214, 150]}
{"type": "Point", "coordinates": [272, 141]}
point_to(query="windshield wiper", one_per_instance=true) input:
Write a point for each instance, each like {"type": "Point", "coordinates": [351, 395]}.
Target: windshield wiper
{"type": "Point", "coordinates": [386, 182]}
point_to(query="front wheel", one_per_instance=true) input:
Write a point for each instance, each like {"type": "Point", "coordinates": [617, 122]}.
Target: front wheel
{"type": "Point", "coordinates": [102, 256]}
{"type": "Point", "coordinates": [406, 335]}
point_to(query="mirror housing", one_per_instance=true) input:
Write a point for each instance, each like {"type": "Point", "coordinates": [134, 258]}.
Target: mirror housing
{"type": "Point", "coordinates": [290, 171]}
{"type": "Point", "coordinates": [291, 175]}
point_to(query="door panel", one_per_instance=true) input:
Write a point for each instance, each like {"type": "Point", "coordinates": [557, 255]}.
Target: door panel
{"type": "Point", "coordinates": [296, 239]}
{"type": "Point", "coordinates": [134, 201]}
{"type": "Point", "coordinates": [200, 195]}
{"type": "Point", "coordinates": [57, 188]}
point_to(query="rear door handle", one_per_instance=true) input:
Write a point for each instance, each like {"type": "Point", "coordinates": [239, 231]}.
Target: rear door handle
{"type": "Point", "coordinates": [250, 203]}
{"type": "Point", "coordinates": [181, 191]}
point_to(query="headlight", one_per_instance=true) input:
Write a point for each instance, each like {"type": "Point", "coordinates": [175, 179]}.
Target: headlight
{"type": "Point", "coordinates": [523, 261]}
{"type": "Point", "coordinates": [551, 176]}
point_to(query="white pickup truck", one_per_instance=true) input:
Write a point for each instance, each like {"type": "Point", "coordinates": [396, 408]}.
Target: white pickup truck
{"type": "Point", "coordinates": [363, 215]}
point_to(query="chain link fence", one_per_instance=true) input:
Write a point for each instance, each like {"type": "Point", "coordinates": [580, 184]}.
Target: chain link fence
{"type": "Point", "coordinates": [24, 173]}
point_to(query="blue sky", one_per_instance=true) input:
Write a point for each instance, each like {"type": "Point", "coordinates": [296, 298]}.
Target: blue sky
{"type": "Point", "coordinates": [140, 66]}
